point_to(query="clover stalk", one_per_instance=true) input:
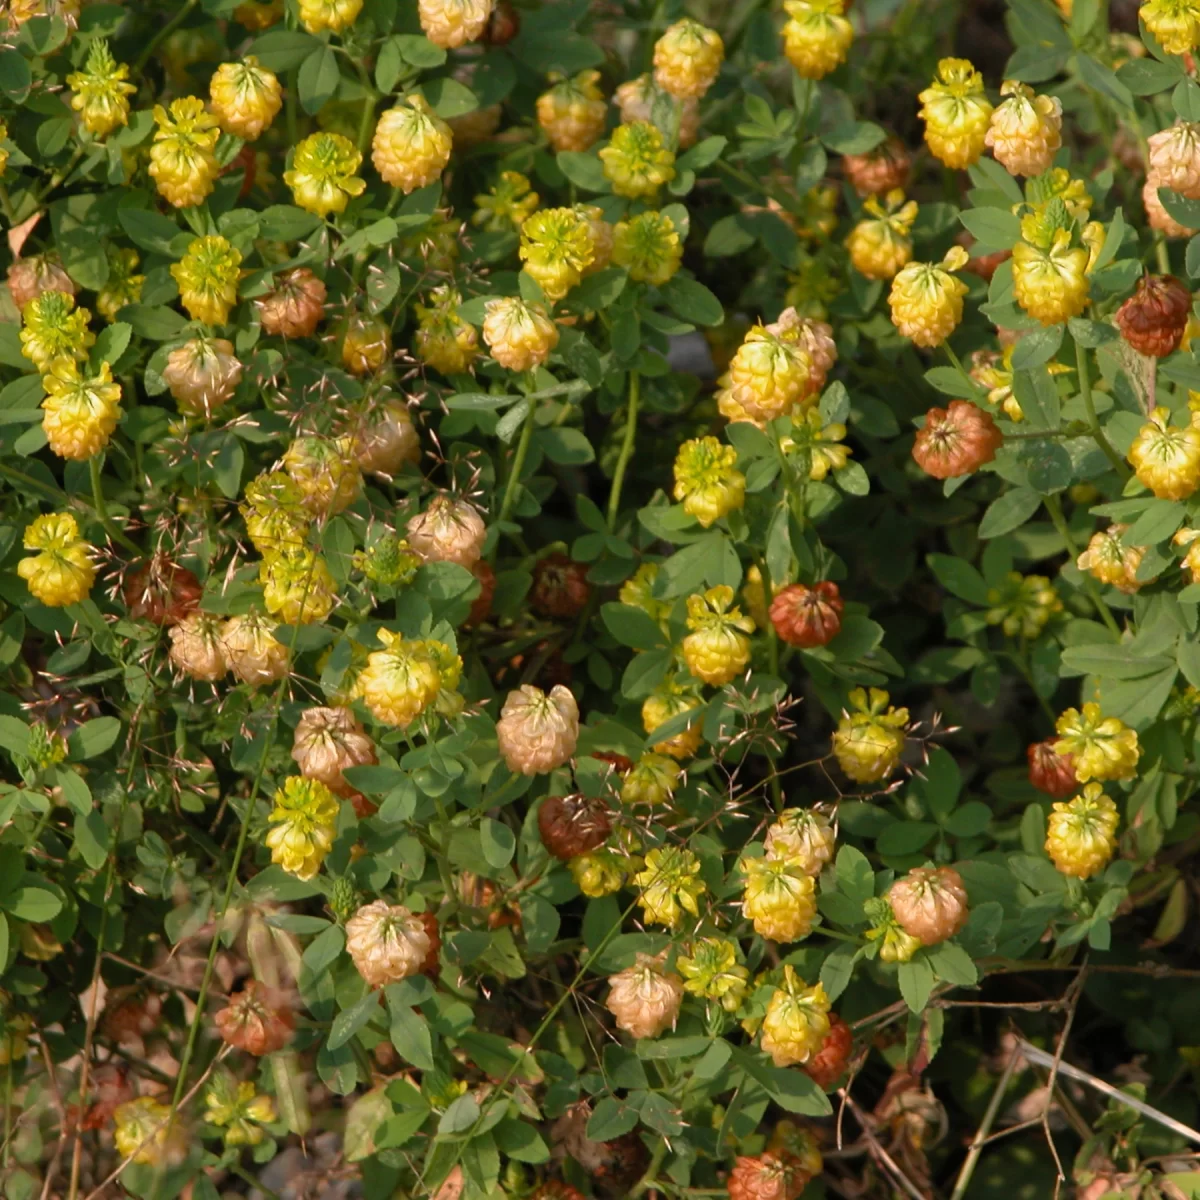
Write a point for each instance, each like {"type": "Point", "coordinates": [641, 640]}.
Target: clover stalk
{"type": "Point", "coordinates": [627, 445]}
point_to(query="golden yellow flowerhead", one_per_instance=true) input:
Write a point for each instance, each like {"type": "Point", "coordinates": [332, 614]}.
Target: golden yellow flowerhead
{"type": "Point", "coordinates": [670, 886]}
{"type": "Point", "coordinates": [711, 970]}
{"type": "Point", "coordinates": [1049, 269]}
{"type": "Point", "coordinates": [648, 247]}
{"type": "Point", "coordinates": [52, 327]}
{"type": "Point", "coordinates": [780, 898]}
{"type": "Point", "coordinates": [1101, 747]}
{"type": "Point", "coordinates": [334, 15]}
{"type": "Point", "coordinates": [62, 571]}
{"type": "Point", "coordinates": [297, 586]}
{"type": "Point", "coordinates": [881, 243]}
{"type": "Point", "coordinates": [322, 176]}
{"type": "Point", "coordinates": [816, 36]}
{"type": "Point", "coordinates": [687, 59]}
{"type": "Point", "coordinates": [926, 299]}
{"type": "Point", "coordinates": [556, 248]}
{"type": "Point", "coordinates": [1025, 131]}
{"type": "Point", "coordinates": [303, 823]}
{"type": "Point", "coordinates": [956, 113]}
{"type": "Point", "coordinates": [717, 648]}
{"type": "Point", "coordinates": [636, 160]}
{"type": "Point", "coordinates": [100, 92]}
{"type": "Point", "coordinates": [519, 335]}
{"type": "Point", "coordinates": [443, 339]}
{"type": "Point", "coordinates": [572, 112]}
{"type": "Point", "coordinates": [506, 205]}
{"type": "Point", "coordinates": [400, 681]}
{"type": "Point", "coordinates": [1175, 23]}
{"type": "Point", "coordinates": [412, 144]}
{"type": "Point", "coordinates": [207, 276]}
{"type": "Point", "coordinates": [453, 23]}
{"type": "Point", "coordinates": [796, 1021]}
{"type": "Point", "coordinates": [183, 164]}
{"type": "Point", "coordinates": [1109, 560]}
{"type": "Point", "coordinates": [245, 97]}
{"type": "Point", "coordinates": [707, 479]}
{"type": "Point", "coordinates": [1081, 833]}
{"type": "Point", "coordinates": [81, 411]}
{"type": "Point", "coordinates": [869, 738]}
{"type": "Point", "coordinates": [1166, 458]}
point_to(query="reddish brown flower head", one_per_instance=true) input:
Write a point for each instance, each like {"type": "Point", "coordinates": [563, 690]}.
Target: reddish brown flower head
{"type": "Point", "coordinates": [766, 1177]}
{"type": "Point", "coordinates": [1153, 319]}
{"type": "Point", "coordinates": [618, 762]}
{"type": "Point", "coordinates": [131, 1015]}
{"type": "Point", "coordinates": [295, 308]}
{"type": "Point", "coordinates": [432, 964]}
{"type": "Point", "coordinates": [930, 903]}
{"type": "Point", "coordinates": [826, 1066]}
{"type": "Point", "coordinates": [256, 1020]}
{"type": "Point", "coordinates": [808, 616]}
{"type": "Point", "coordinates": [956, 440]}
{"type": "Point", "coordinates": [503, 25]}
{"type": "Point", "coordinates": [560, 587]}
{"type": "Point", "coordinates": [572, 825]}
{"type": "Point", "coordinates": [879, 170]}
{"type": "Point", "coordinates": [481, 606]}
{"type": "Point", "coordinates": [1051, 772]}
{"type": "Point", "coordinates": [161, 591]}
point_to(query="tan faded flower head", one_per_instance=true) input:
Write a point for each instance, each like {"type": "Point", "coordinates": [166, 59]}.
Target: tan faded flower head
{"type": "Point", "coordinates": [537, 731]}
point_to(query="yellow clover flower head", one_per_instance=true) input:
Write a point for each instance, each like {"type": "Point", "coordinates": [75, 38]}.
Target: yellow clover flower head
{"type": "Point", "coordinates": [453, 23]}
{"type": "Point", "coordinates": [599, 873]}
{"type": "Point", "coordinates": [711, 970]}
{"type": "Point", "coordinates": [519, 335]}
{"type": "Point", "coordinates": [648, 247]}
{"type": "Point", "coordinates": [572, 112]}
{"type": "Point", "coordinates": [1025, 131]}
{"type": "Point", "coordinates": [881, 244]}
{"type": "Point", "coordinates": [717, 648]}
{"type": "Point", "coordinates": [804, 836]}
{"type": "Point", "coordinates": [443, 339]}
{"type": "Point", "coordinates": [780, 898]}
{"type": "Point", "coordinates": [81, 411]}
{"type": "Point", "coordinates": [100, 92]}
{"type": "Point", "coordinates": [1109, 560]}
{"type": "Point", "coordinates": [246, 97]}
{"type": "Point", "coordinates": [412, 144]}
{"type": "Point", "coordinates": [651, 781]}
{"type": "Point", "coordinates": [1175, 23]}
{"type": "Point", "coordinates": [1101, 747]}
{"type": "Point", "coordinates": [956, 113]}
{"type": "Point", "coordinates": [1166, 458]}
{"type": "Point", "coordinates": [796, 1021]}
{"type": "Point", "coordinates": [556, 248]}
{"type": "Point", "coordinates": [274, 512]}
{"type": "Point", "coordinates": [62, 571]}
{"type": "Point", "coordinates": [670, 886]}
{"type": "Point", "coordinates": [239, 1109]}
{"type": "Point", "coordinates": [1049, 273]}
{"type": "Point", "coordinates": [707, 479]}
{"type": "Point", "coordinates": [636, 160]}
{"type": "Point", "coordinates": [869, 738]}
{"type": "Point", "coordinates": [334, 15]}
{"type": "Point", "coordinates": [52, 327]}
{"type": "Point", "coordinates": [896, 945]}
{"type": "Point", "coordinates": [816, 36]}
{"type": "Point", "coordinates": [927, 300]}
{"type": "Point", "coordinates": [322, 176]}
{"type": "Point", "coordinates": [1081, 833]}
{"type": "Point", "coordinates": [207, 276]}
{"type": "Point", "coordinates": [145, 1132]}
{"type": "Point", "coordinates": [326, 472]}
{"type": "Point", "coordinates": [297, 585]}
{"type": "Point", "coordinates": [400, 681]}
{"type": "Point", "coordinates": [183, 164]}
{"type": "Point", "coordinates": [821, 442]}
{"type": "Point", "coordinates": [506, 205]}
{"type": "Point", "coordinates": [303, 823]}
{"type": "Point", "coordinates": [687, 59]}
{"type": "Point", "coordinates": [770, 374]}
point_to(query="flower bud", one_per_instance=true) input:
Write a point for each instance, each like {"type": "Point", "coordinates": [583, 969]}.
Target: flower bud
{"type": "Point", "coordinates": [1081, 833]}
{"type": "Point", "coordinates": [930, 903]}
{"type": "Point", "coordinates": [202, 375]}
{"type": "Point", "coordinates": [956, 441]}
{"type": "Point", "coordinates": [335, 15]}
{"type": "Point", "coordinates": [956, 113]}
{"type": "Point", "coordinates": [62, 571]}
{"type": "Point", "coordinates": [828, 1064]}
{"type": "Point", "coordinates": [796, 1021]}
{"type": "Point", "coordinates": [1023, 605]}
{"type": "Point", "coordinates": [537, 732]}
{"type": "Point", "coordinates": [183, 164]}
{"type": "Point", "coordinates": [389, 441]}
{"type": "Point", "coordinates": [687, 59]}
{"type": "Point", "coordinates": [449, 530]}
{"type": "Point", "coordinates": [295, 307]}
{"type": "Point", "coordinates": [452, 23]}
{"type": "Point", "coordinates": [1154, 318]}
{"type": "Point", "coordinates": [648, 247]}
{"type": "Point", "coordinates": [670, 886]}
{"type": "Point", "coordinates": [808, 616]}
{"type": "Point", "coordinates": [245, 97]}
{"type": "Point", "coordinates": [412, 144]}
{"type": "Point", "coordinates": [323, 175]}
{"type": "Point", "coordinates": [506, 205]}
{"type": "Point", "coordinates": [366, 345]}
{"type": "Point", "coordinates": [636, 161]}
{"type": "Point", "coordinates": [1049, 771]}
{"type": "Point", "coordinates": [572, 112]}
{"type": "Point", "coordinates": [868, 741]}
{"type": "Point", "coordinates": [717, 649]}
{"type": "Point", "coordinates": [303, 822]}
{"type": "Point", "coordinates": [207, 276]}
{"type": "Point", "coordinates": [400, 681]}
{"type": "Point", "coordinates": [1101, 747]}
{"type": "Point", "coordinates": [256, 1020]}
{"type": "Point", "coordinates": [519, 335]}
{"type": "Point", "coordinates": [239, 1109]}
{"type": "Point", "coordinates": [81, 411]}
{"type": "Point", "coordinates": [161, 591]}
{"type": "Point", "coordinates": [816, 36]}
{"type": "Point", "coordinates": [779, 898]}
{"type": "Point", "coordinates": [1166, 458]}
{"type": "Point", "coordinates": [884, 169]}
{"type": "Point", "coordinates": [895, 944]}
{"type": "Point", "coordinates": [598, 873]}
{"type": "Point", "coordinates": [254, 654]}
{"type": "Point", "coordinates": [635, 100]}
{"type": "Point", "coordinates": [663, 705]}
{"type": "Point", "coordinates": [572, 825]}
{"type": "Point", "coordinates": [803, 836]}
{"type": "Point", "coordinates": [560, 587]}
{"type": "Point", "coordinates": [644, 998]}
{"type": "Point", "coordinates": [326, 472]}
{"type": "Point", "coordinates": [1025, 132]}
{"type": "Point", "coordinates": [927, 300]}
{"type": "Point", "coordinates": [1107, 559]}
{"type": "Point", "coordinates": [197, 648]}
{"type": "Point", "coordinates": [28, 278]}
{"type": "Point", "coordinates": [707, 480]}
{"type": "Point", "coordinates": [387, 943]}
{"type": "Point", "coordinates": [798, 1145]}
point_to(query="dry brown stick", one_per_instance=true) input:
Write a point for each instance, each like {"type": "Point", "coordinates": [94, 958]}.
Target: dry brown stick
{"type": "Point", "coordinates": [878, 1151]}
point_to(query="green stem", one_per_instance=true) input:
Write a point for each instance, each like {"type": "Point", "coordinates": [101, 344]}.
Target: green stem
{"type": "Point", "coordinates": [773, 661]}
{"type": "Point", "coordinates": [165, 32]}
{"type": "Point", "coordinates": [98, 502]}
{"type": "Point", "coordinates": [368, 113]}
{"type": "Point", "coordinates": [518, 465]}
{"type": "Point", "coordinates": [1054, 508]}
{"type": "Point", "coordinates": [1085, 390]}
{"type": "Point", "coordinates": [6, 206]}
{"type": "Point", "coordinates": [627, 445]}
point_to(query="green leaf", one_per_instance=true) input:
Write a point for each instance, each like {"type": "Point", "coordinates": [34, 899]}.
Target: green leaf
{"type": "Point", "coordinates": [1112, 662]}
{"type": "Point", "coordinates": [596, 292]}
{"type": "Point", "coordinates": [410, 1035]}
{"type": "Point", "coordinates": [583, 170]}
{"type": "Point", "coordinates": [460, 1116]}
{"type": "Point", "coordinates": [1008, 512]}
{"type": "Point", "coordinates": [992, 228]}
{"type": "Point", "coordinates": [15, 76]}
{"type": "Point", "coordinates": [939, 783]}
{"type": "Point", "coordinates": [632, 627]}
{"type": "Point", "coordinates": [498, 842]}
{"type": "Point", "coordinates": [318, 79]}
{"type": "Point", "coordinates": [350, 1020]}
{"type": "Point", "coordinates": [1148, 76]}
{"type": "Point", "coordinates": [702, 154]}
{"type": "Point", "coordinates": [91, 839]}
{"type": "Point", "coordinates": [1186, 100]}
{"type": "Point", "coordinates": [521, 1141]}
{"type": "Point", "coordinates": [905, 837]}
{"type": "Point", "coordinates": [610, 1119]}
{"type": "Point", "coordinates": [282, 49]}
{"type": "Point", "coordinates": [950, 381]}
{"type": "Point", "coordinates": [728, 236]}
{"type": "Point", "coordinates": [30, 903]}
{"type": "Point", "coordinates": [692, 301]}
{"type": "Point", "coordinates": [793, 1091]}
{"type": "Point", "coordinates": [567, 447]}
{"type": "Point", "coordinates": [838, 969]}
{"type": "Point", "coordinates": [1186, 212]}
{"type": "Point", "coordinates": [93, 738]}
{"type": "Point", "coordinates": [148, 230]}
{"type": "Point", "coordinates": [1037, 347]}
{"type": "Point", "coordinates": [449, 98]}
{"type": "Point", "coordinates": [854, 137]}
{"type": "Point", "coordinates": [953, 964]}
{"type": "Point", "coordinates": [158, 323]}
{"type": "Point", "coordinates": [419, 51]}
{"type": "Point", "coordinates": [1095, 74]}
{"type": "Point", "coordinates": [959, 577]}
{"type": "Point", "coordinates": [916, 981]}
{"type": "Point", "coordinates": [856, 880]}
{"type": "Point", "coordinates": [1159, 521]}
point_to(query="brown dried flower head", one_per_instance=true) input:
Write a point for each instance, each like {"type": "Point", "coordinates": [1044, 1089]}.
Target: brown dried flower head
{"type": "Point", "coordinates": [257, 1019]}
{"type": "Point", "coordinates": [956, 441]}
{"type": "Point", "coordinates": [572, 825]}
{"type": "Point", "coordinates": [808, 616]}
